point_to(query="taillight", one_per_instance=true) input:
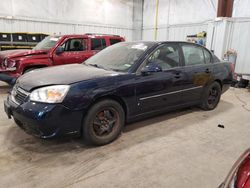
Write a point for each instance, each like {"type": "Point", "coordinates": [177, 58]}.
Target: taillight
{"type": "Point", "coordinates": [232, 67]}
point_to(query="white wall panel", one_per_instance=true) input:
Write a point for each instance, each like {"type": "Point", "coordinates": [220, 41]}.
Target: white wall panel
{"type": "Point", "coordinates": [13, 25]}
{"type": "Point", "coordinates": [148, 34]}
{"type": "Point", "coordinates": [177, 18]}
{"type": "Point", "coordinates": [241, 8]}
{"type": "Point", "coordinates": [67, 17]}
{"type": "Point", "coordinates": [173, 12]}
{"type": "Point", "coordinates": [180, 32]}
{"type": "Point", "coordinates": [106, 12]}
{"type": "Point", "coordinates": [239, 40]}
{"type": "Point", "coordinates": [174, 32]}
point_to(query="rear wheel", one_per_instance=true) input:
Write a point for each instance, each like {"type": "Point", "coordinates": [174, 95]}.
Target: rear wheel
{"type": "Point", "coordinates": [211, 97]}
{"type": "Point", "coordinates": [103, 122]}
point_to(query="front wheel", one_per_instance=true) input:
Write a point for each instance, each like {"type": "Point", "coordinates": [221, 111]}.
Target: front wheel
{"type": "Point", "coordinates": [103, 122]}
{"type": "Point", "coordinates": [211, 97]}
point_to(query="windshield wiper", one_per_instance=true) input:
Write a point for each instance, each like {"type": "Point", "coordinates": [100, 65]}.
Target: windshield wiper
{"type": "Point", "coordinates": [97, 66]}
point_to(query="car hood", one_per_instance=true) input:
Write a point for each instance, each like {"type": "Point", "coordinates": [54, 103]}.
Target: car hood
{"type": "Point", "coordinates": [20, 53]}
{"type": "Point", "coordinates": [61, 75]}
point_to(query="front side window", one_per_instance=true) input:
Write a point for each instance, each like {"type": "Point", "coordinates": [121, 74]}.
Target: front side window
{"type": "Point", "coordinates": [193, 55]}
{"type": "Point", "coordinates": [98, 43]}
{"type": "Point", "coordinates": [166, 57]}
{"type": "Point", "coordinates": [74, 45]}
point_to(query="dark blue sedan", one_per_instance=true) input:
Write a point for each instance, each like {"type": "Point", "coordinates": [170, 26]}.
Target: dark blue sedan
{"type": "Point", "coordinates": [124, 82]}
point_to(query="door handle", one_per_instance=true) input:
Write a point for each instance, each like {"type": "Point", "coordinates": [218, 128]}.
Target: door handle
{"type": "Point", "coordinates": [207, 71]}
{"type": "Point", "coordinates": [177, 75]}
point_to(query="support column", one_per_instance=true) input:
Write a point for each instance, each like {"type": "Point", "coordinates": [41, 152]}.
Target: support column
{"type": "Point", "coordinates": [225, 8]}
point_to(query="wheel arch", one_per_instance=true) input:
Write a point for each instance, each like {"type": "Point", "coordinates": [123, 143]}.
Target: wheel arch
{"type": "Point", "coordinates": [106, 97]}
{"type": "Point", "coordinates": [111, 97]}
{"type": "Point", "coordinates": [219, 81]}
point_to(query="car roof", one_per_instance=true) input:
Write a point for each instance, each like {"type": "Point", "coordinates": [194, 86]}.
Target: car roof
{"type": "Point", "coordinates": [162, 42]}
{"type": "Point", "coordinates": [93, 35]}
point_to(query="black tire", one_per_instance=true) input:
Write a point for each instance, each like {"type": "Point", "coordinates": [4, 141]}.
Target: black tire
{"type": "Point", "coordinates": [103, 122]}
{"type": "Point", "coordinates": [211, 96]}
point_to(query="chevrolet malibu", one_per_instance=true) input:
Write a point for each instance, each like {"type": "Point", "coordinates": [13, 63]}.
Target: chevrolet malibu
{"type": "Point", "coordinates": [125, 82]}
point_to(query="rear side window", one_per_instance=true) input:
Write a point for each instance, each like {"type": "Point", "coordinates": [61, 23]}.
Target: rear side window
{"type": "Point", "coordinates": [98, 44]}
{"type": "Point", "coordinates": [193, 55]}
{"type": "Point", "coordinates": [114, 41]}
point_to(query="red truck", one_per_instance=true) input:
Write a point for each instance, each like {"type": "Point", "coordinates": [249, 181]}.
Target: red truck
{"type": "Point", "coordinates": [53, 50]}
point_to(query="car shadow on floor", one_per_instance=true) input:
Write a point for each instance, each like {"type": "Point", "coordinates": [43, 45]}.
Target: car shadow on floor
{"type": "Point", "coordinates": [4, 88]}
{"type": "Point", "coordinates": [222, 107]}
{"type": "Point", "coordinates": [133, 134]}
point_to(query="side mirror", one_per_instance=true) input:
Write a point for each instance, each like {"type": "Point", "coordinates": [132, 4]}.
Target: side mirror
{"type": "Point", "coordinates": [59, 50]}
{"type": "Point", "coordinates": [150, 68]}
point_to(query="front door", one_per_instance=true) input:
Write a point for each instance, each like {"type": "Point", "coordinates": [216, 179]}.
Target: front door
{"type": "Point", "coordinates": [160, 90]}
{"type": "Point", "coordinates": [74, 51]}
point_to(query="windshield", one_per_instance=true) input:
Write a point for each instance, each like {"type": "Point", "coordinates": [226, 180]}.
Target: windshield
{"type": "Point", "coordinates": [119, 57]}
{"type": "Point", "coordinates": [47, 43]}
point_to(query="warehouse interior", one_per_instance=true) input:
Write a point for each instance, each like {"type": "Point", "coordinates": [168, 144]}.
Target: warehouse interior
{"type": "Point", "coordinates": [185, 147]}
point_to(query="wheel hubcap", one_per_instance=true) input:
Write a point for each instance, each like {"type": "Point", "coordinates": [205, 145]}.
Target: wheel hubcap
{"type": "Point", "coordinates": [213, 96]}
{"type": "Point", "coordinates": [105, 121]}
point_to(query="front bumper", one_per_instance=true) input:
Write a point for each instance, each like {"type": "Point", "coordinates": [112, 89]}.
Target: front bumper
{"type": "Point", "coordinates": [44, 120]}
{"type": "Point", "coordinates": [8, 78]}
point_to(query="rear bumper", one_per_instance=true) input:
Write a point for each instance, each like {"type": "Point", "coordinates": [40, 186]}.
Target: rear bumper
{"type": "Point", "coordinates": [44, 120]}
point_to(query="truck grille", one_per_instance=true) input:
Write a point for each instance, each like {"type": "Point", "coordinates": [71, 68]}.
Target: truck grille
{"type": "Point", "coordinates": [19, 95]}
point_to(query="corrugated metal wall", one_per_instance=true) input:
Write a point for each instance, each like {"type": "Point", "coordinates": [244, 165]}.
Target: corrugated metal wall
{"type": "Point", "coordinates": [105, 16]}
{"type": "Point", "coordinates": [174, 32]}
{"type": "Point", "coordinates": [18, 25]}
{"type": "Point", "coordinates": [239, 39]}
{"type": "Point", "coordinates": [179, 32]}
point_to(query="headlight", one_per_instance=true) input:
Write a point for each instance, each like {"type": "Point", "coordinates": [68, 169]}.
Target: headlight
{"type": "Point", "coordinates": [50, 94]}
{"type": "Point", "coordinates": [9, 63]}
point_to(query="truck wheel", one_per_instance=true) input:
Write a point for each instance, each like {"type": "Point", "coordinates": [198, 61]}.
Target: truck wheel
{"type": "Point", "coordinates": [211, 96]}
{"type": "Point", "coordinates": [103, 122]}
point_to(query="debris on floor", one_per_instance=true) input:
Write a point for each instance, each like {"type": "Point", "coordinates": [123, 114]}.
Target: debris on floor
{"type": "Point", "coordinates": [221, 126]}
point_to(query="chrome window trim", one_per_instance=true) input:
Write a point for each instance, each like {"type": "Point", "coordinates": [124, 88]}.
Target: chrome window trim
{"type": "Point", "coordinates": [169, 93]}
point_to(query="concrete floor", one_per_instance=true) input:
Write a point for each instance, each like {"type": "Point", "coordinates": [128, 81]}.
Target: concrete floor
{"type": "Point", "coordinates": [179, 149]}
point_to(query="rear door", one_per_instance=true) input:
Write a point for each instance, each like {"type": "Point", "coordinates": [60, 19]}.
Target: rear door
{"type": "Point", "coordinates": [96, 45]}
{"type": "Point", "coordinates": [160, 90]}
{"type": "Point", "coordinates": [75, 51]}
{"type": "Point", "coordinates": [114, 40]}
{"type": "Point", "coordinates": [197, 71]}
